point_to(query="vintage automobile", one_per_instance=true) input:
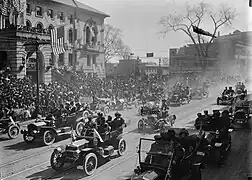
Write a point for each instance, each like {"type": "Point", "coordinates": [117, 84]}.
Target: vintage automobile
{"type": "Point", "coordinates": [216, 145]}
{"type": "Point", "coordinates": [102, 104]}
{"type": "Point", "coordinates": [149, 108]}
{"type": "Point", "coordinates": [199, 93]}
{"type": "Point", "coordinates": [119, 104]}
{"type": "Point", "coordinates": [156, 122]}
{"type": "Point", "coordinates": [177, 99]}
{"type": "Point", "coordinates": [165, 162]}
{"type": "Point", "coordinates": [239, 90]}
{"type": "Point", "coordinates": [10, 127]}
{"type": "Point", "coordinates": [48, 128]}
{"type": "Point", "coordinates": [88, 150]}
{"type": "Point", "coordinates": [241, 114]}
{"type": "Point", "coordinates": [225, 99]}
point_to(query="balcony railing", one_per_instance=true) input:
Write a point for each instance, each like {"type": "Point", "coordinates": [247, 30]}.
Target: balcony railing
{"type": "Point", "coordinates": [27, 29]}
{"type": "Point", "coordinates": [90, 47]}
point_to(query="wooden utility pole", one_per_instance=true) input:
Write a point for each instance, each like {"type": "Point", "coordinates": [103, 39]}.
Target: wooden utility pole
{"type": "Point", "coordinates": [37, 42]}
{"type": "Point", "coordinates": [75, 35]}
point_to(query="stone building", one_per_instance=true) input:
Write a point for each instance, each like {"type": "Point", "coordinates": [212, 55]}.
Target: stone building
{"type": "Point", "coordinates": [229, 54]}
{"type": "Point", "coordinates": [83, 39]}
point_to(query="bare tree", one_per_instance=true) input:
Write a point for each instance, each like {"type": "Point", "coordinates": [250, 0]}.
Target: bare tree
{"type": "Point", "coordinates": [194, 16]}
{"type": "Point", "coordinates": [125, 52]}
{"type": "Point", "coordinates": [113, 43]}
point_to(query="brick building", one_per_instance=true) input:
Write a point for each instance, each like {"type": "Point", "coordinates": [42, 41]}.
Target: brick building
{"type": "Point", "coordinates": [229, 54]}
{"type": "Point", "coordinates": [83, 33]}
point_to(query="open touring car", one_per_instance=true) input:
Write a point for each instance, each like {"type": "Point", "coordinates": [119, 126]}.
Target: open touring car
{"type": "Point", "coordinates": [88, 150]}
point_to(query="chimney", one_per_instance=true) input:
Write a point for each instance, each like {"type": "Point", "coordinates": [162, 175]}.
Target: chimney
{"type": "Point", "coordinates": [218, 33]}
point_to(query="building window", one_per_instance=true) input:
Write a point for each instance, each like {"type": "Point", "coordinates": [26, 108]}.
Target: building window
{"type": "Point", "coordinates": [94, 59]}
{"type": "Point", "coordinates": [88, 60]}
{"type": "Point", "coordinates": [50, 13]}
{"type": "Point", "coordinates": [39, 11]}
{"type": "Point", "coordinates": [70, 36]}
{"type": "Point", "coordinates": [28, 23]}
{"type": "Point", "coordinates": [28, 8]}
{"type": "Point", "coordinates": [87, 35]}
{"type": "Point", "coordinates": [70, 18]}
{"type": "Point", "coordinates": [61, 16]}
{"type": "Point", "coordinates": [40, 27]}
{"type": "Point", "coordinates": [50, 27]}
{"type": "Point", "coordinates": [70, 59]}
{"type": "Point", "coordinates": [61, 59]}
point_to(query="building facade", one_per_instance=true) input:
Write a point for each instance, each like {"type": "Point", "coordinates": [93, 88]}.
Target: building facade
{"type": "Point", "coordinates": [229, 54]}
{"type": "Point", "coordinates": [83, 32]}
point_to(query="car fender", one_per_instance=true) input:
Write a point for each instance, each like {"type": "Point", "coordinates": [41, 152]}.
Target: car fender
{"type": "Point", "coordinates": [62, 148]}
{"type": "Point", "coordinates": [45, 128]}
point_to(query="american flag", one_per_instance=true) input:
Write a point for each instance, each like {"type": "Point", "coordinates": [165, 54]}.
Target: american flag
{"type": "Point", "coordinates": [57, 40]}
{"type": "Point", "coordinates": [4, 7]}
{"type": "Point", "coordinates": [16, 5]}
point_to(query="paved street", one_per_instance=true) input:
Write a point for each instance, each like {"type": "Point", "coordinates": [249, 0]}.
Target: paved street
{"type": "Point", "coordinates": [22, 161]}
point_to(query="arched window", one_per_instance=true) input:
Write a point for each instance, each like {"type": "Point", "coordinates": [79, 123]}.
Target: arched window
{"type": "Point", "coordinates": [28, 23]}
{"type": "Point", "coordinates": [70, 36]}
{"type": "Point", "coordinates": [39, 27]}
{"type": "Point", "coordinates": [50, 27]}
{"type": "Point", "coordinates": [87, 35]}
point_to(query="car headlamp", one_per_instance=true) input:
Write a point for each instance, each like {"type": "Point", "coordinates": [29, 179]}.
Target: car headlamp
{"type": "Point", "coordinates": [59, 149]}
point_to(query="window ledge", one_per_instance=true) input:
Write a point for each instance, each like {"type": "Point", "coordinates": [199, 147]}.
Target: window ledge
{"type": "Point", "coordinates": [39, 16]}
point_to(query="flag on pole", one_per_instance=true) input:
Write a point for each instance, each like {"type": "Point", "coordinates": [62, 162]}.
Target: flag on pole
{"type": "Point", "coordinates": [57, 40]}
{"type": "Point", "coordinates": [22, 12]}
{"type": "Point", "coordinates": [4, 7]}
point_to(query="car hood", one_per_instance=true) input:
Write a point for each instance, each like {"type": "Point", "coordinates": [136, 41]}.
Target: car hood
{"type": "Point", "coordinates": [38, 124]}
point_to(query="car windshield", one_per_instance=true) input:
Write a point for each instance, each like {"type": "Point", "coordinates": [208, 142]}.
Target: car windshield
{"type": "Point", "coordinates": [154, 153]}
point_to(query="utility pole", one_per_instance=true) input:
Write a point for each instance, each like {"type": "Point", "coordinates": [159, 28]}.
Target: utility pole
{"type": "Point", "coordinates": [37, 42]}
{"type": "Point", "coordinates": [75, 36]}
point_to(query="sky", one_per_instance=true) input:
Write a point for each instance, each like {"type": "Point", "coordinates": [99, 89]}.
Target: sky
{"type": "Point", "coordinates": [138, 20]}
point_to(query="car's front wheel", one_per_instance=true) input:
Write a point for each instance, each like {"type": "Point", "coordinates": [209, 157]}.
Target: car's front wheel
{"type": "Point", "coordinates": [121, 147]}
{"type": "Point", "coordinates": [57, 160]}
{"type": "Point", "coordinates": [13, 131]}
{"type": "Point", "coordinates": [140, 125]}
{"type": "Point", "coordinates": [28, 138]}
{"type": "Point", "coordinates": [90, 163]}
{"type": "Point", "coordinates": [48, 137]}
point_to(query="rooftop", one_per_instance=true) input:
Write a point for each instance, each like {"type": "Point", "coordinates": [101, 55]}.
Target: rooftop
{"type": "Point", "coordinates": [81, 6]}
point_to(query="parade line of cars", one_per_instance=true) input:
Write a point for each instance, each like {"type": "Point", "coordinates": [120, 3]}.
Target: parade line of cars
{"type": "Point", "coordinates": [174, 154]}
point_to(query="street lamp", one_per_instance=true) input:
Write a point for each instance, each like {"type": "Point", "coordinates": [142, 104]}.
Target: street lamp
{"type": "Point", "coordinates": [37, 42]}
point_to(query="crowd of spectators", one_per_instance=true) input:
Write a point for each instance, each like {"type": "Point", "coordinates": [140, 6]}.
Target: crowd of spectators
{"type": "Point", "coordinates": [21, 93]}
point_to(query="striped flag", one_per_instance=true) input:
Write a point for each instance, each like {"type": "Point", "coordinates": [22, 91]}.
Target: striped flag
{"type": "Point", "coordinates": [57, 40]}
{"type": "Point", "coordinates": [4, 7]}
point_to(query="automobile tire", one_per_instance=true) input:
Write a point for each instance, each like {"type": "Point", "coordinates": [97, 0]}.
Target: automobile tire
{"type": "Point", "coordinates": [85, 114]}
{"type": "Point", "coordinates": [28, 138]}
{"type": "Point", "coordinates": [124, 106]}
{"type": "Point", "coordinates": [121, 147]}
{"type": "Point", "coordinates": [89, 164]}
{"type": "Point", "coordinates": [48, 137]}
{"type": "Point", "coordinates": [140, 125]}
{"type": "Point", "coordinates": [13, 131]}
{"type": "Point", "coordinates": [58, 164]}
{"type": "Point", "coordinates": [106, 110]}
{"type": "Point", "coordinates": [79, 128]}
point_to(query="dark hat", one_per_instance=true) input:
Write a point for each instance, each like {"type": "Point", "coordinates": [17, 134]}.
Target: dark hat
{"type": "Point", "coordinates": [100, 114]}
{"type": "Point", "coordinates": [117, 114]}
